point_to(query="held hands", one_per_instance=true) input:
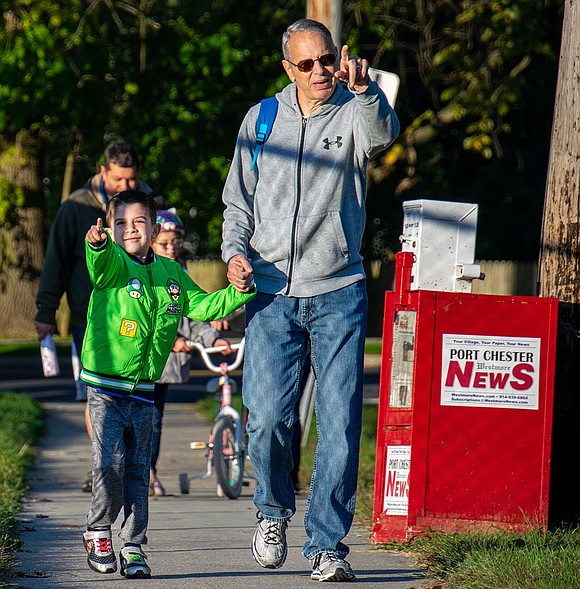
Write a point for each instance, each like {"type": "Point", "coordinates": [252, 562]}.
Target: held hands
{"type": "Point", "coordinates": [96, 234]}
{"type": "Point", "coordinates": [353, 70]}
{"type": "Point", "coordinates": [240, 273]}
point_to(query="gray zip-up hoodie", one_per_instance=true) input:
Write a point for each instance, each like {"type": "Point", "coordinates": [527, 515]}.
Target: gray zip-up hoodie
{"type": "Point", "coordinates": [299, 216]}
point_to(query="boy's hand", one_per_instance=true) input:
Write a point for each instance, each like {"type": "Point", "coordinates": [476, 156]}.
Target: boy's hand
{"type": "Point", "coordinates": [96, 234]}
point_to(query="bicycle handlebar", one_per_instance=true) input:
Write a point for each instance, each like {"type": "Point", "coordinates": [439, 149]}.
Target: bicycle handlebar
{"type": "Point", "coordinates": [205, 354]}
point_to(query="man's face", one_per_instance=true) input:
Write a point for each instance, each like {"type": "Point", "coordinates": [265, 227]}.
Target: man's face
{"type": "Point", "coordinates": [316, 86]}
{"type": "Point", "coordinates": [118, 179]}
{"type": "Point", "coordinates": [133, 229]}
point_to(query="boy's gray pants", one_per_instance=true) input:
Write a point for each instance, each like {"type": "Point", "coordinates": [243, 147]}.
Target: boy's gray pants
{"type": "Point", "coordinates": [121, 452]}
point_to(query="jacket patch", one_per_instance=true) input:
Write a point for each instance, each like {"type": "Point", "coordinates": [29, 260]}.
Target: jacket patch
{"type": "Point", "coordinates": [174, 289]}
{"type": "Point", "coordinates": [128, 328]}
{"type": "Point", "coordinates": [173, 309]}
{"type": "Point", "coordinates": [135, 288]}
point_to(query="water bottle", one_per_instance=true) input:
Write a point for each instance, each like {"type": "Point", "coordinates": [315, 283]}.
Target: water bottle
{"type": "Point", "coordinates": [49, 358]}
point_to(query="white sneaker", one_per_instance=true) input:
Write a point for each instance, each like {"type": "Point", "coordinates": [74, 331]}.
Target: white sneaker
{"type": "Point", "coordinates": [328, 566]}
{"type": "Point", "coordinates": [269, 543]}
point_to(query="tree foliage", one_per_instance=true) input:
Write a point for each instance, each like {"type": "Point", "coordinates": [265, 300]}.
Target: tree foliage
{"type": "Point", "coordinates": [176, 78]}
{"type": "Point", "coordinates": [476, 100]}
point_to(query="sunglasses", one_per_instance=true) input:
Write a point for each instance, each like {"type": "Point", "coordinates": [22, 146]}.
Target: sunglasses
{"type": "Point", "coordinates": [306, 65]}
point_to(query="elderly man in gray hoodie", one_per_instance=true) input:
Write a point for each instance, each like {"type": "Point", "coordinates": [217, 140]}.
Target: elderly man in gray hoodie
{"type": "Point", "coordinates": [293, 224]}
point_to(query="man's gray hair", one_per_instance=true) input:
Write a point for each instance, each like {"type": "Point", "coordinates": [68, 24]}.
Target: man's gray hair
{"type": "Point", "coordinates": [305, 25]}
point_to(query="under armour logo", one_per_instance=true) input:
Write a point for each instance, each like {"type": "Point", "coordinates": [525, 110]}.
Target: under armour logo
{"type": "Point", "coordinates": [328, 143]}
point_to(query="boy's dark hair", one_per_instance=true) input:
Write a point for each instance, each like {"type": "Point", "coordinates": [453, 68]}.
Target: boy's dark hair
{"type": "Point", "coordinates": [123, 155]}
{"type": "Point", "coordinates": [128, 197]}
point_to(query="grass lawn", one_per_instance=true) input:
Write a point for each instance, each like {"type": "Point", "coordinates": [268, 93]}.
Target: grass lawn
{"type": "Point", "coordinates": [20, 428]}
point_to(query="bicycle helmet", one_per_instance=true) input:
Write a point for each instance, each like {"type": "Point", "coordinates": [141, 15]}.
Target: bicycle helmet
{"type": "Point", "coordinates": [169, 221]}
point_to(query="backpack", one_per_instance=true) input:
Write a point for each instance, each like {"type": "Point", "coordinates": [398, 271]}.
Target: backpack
{"type": "Point", "coordinates": [264, 124]}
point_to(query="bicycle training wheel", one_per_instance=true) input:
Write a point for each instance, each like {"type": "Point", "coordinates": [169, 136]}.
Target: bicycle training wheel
{"type": "Point", "coordinates": [228, 459]}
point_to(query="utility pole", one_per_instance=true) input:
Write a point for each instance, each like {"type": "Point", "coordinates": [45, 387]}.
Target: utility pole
{"type": "Point", "coordinates": [329, 13]}
{"type": "Point", "coordinates": [560, 269]}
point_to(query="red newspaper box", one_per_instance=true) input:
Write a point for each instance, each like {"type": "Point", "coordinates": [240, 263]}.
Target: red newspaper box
{"type": "Point", "coordinates": [465, 411]}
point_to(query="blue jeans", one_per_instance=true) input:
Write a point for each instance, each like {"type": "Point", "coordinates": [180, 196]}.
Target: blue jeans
{"type": "Point", "coordinates": [280, 331]}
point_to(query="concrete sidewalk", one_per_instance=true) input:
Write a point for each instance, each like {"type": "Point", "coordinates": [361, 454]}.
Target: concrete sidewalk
{"type": "Point", "coordinates": [195, 541]}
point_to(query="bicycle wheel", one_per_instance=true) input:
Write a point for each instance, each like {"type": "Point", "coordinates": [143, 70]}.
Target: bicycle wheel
{"type": "Point", "coordinates": [228, 459]}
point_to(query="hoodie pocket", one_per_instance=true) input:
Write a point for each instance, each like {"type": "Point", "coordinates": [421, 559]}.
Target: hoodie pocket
{"type": "Point", "coordinates": [321, 247]}
{"type": "Point", "coordinates": [271, 243]}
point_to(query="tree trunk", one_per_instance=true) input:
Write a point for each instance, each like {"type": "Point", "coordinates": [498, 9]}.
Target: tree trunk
{"type": "Point", "coordinates": [329, 13]}
{"type": "Point", "coordinates": [21, 238]}
{"type": "Point", "coordinates": [558, 277]}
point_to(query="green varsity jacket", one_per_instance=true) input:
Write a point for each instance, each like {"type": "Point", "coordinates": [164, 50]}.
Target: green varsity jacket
{"type": "Point", "coordinates": [133, 316]}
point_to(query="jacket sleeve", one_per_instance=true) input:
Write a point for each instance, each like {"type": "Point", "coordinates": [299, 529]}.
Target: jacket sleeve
{"type": "Point", "coordinates": [203, 306]}
{"type": "Point", "coordinates": [104, 263]}
{"type": "Point", "coordinates": [378, 125]}
{"type": "Point", "coordinates": [238, 193]}
{"type": "Point", "coordinates": [57, 266]}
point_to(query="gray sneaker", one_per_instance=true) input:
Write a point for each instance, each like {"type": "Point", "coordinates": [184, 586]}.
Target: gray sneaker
{"type": "Point", "coordinates": [269, 543]}
{"type": "Point", "coordinates": [328, 566]}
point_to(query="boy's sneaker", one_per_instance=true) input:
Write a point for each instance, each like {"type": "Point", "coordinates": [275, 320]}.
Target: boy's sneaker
{"type": "Point", "coordinates": [99, 547]}
{"type": "Point", "coordinates": [328, 566]}
{"type": "Point", "coordinates": [269, 543]}
{"type": "Point", "coordinates": [133, 565]}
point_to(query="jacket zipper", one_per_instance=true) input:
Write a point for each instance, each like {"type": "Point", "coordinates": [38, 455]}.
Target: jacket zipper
{"type": "Point", "coordinates": [152, 316]}
{"type": "Point", "coordinates": [293, 245]}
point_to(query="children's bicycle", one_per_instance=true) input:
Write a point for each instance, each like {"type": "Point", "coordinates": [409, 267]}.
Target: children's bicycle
{"type": "Point", "coordinates": [226, 448]}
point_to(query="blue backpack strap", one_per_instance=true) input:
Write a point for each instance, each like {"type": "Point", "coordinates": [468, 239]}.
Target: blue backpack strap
{"type": "Point", "coordinates": [264, 124]}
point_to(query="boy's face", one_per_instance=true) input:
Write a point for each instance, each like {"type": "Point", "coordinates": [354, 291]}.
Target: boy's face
{"type": "Point", "coordinates": [133, 229]}
{"type": "Point", "coordinates": [168, 244]}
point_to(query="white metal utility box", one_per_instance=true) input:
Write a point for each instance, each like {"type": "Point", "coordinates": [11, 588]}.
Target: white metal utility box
{"type": "Point", "coordinates": [441, 235]}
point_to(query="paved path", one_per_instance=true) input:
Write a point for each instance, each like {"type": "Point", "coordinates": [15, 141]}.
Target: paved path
{"type": "Point", "coordinates": [195, 541]}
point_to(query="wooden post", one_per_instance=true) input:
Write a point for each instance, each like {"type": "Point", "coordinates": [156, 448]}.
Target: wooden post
{"type": "Point", "coordinates": [329, 13]}
{"type": "Point", "coordinates": [559, 270]}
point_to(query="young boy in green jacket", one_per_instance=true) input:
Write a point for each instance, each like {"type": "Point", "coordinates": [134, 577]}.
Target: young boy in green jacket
{"type": "Point", "coordinates": [137, 301]}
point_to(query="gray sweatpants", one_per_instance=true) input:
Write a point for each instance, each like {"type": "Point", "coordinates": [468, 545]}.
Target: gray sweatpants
{"type": "Point", "coordinates": [121, 452]}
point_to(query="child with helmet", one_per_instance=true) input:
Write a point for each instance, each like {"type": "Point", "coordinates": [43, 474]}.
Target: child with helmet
{"type": "Point", "coordinates": [169, 243]}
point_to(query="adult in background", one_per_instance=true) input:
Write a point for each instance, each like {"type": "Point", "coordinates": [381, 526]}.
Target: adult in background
{"type": "Point", "coordinates": [65, 269]}
{"type": "Point", "coordinates": [296, 222]}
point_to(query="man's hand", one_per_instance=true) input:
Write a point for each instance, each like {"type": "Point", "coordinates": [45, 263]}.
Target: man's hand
{"type": "Point", "coordinates": [43, 329]}
{"type": "Point", "coordinates": [240, 273]}
{"type": "Point", "coordinates": [96, 234]}
{"type": "Point", "coordinates": [353, 70]}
